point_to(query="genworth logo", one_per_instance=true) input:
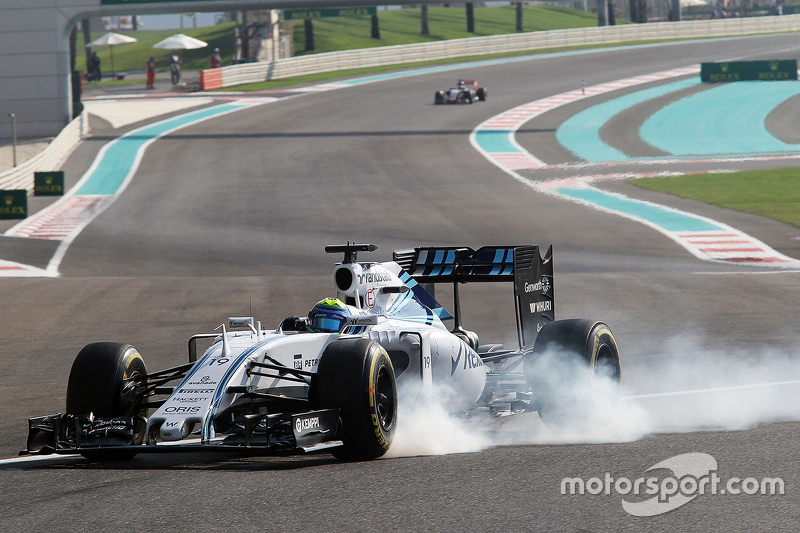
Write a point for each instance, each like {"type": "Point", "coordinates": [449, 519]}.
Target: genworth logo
{"type": "Point", "coordinates": [693, 475]}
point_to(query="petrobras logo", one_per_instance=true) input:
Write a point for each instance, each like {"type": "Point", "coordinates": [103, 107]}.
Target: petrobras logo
{"type": "Point", "coordinates": [306, 424]}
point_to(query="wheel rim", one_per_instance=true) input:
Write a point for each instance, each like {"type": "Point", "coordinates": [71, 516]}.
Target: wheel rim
{"type": "Point", "coordinates": [605, 379]}
{"type": "Point", "coordinates": [605, 365]}
{"type": "Point", "coordinates": [385, 398]}
{"type": "Point", "coordinates": [129, 399]}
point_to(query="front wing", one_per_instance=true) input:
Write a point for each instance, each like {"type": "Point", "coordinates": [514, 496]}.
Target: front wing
{"type": "Point", "coordinates": [257, 434]}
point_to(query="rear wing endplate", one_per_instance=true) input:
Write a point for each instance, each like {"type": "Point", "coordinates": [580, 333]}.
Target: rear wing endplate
{"type": "Point", "coordinates": [531, 274]}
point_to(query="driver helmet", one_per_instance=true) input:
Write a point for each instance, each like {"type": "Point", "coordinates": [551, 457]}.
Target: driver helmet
{"type": "Point", "coordinates": [328, 316]}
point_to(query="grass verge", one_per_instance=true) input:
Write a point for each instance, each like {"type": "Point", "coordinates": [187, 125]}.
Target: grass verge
{"type": "Point", "coordinates": [341, 33]}
{"type": "Point", "coordinates": [402, 26]}
{"type": "Point", "coordinates": [771, 193]}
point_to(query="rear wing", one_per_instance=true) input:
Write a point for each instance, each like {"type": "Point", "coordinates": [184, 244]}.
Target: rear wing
{"type": "Point", "coordinates": [531, 274]}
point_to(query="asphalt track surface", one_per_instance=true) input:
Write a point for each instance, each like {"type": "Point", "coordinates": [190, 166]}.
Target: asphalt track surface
{"type": "Point", "coordinates": [232, 215]}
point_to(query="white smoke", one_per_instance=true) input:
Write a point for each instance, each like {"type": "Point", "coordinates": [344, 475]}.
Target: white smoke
{"type": "Point", "coordinates": [684, 386]}
{"type": "Point", "coordinates": [425, 427]}
{"type": "Point", "coordinates": [690, 386]}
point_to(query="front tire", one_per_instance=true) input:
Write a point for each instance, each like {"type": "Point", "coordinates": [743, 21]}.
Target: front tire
{"type": "Point", "coordinates": [107, 380]}
{"type": "Point", "coordinates": [356, 376]}
{"type": "Point", "coordinates": [573, 372]}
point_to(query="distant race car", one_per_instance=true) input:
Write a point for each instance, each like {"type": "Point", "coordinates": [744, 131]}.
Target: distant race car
{"type": "Point", "coordinates": [330, 381]}
{"type": "Point", "coordinates": [465, 92]}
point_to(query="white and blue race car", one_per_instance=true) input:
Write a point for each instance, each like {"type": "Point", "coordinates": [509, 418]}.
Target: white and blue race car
{"type": "Point", "coordinates": [330, 381]}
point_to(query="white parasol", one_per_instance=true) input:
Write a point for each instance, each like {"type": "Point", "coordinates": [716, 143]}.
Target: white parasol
{"type": "Point", "coordinates": [110, 39]}
{"type": "Point", "coordinates": [180, 41]}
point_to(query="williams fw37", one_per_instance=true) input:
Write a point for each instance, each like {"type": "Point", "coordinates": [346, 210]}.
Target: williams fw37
{"type": "Point", "coordinates": [330, 381]}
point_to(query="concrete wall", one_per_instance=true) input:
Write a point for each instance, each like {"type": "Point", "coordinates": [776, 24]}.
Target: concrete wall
{"type": "Point", "coordinates": [34, 81]}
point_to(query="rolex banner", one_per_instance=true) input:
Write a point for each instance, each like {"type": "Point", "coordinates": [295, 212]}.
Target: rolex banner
{"type": "Point", "coordinates": [784, 69]}
{"type": "Point", "coordinates": [14, 204]}
{"type": "Point", "coordinates": [48, 183]}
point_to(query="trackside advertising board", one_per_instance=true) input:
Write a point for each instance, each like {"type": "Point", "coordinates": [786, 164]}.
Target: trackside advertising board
{"type": "Point", "coordinates": [775, 70]}
{"type": "Point", "coordinates": [298, 14]}
{"type": "Point", "coordinates": [48, 183]}
{"type": "Point", "coordinates": [14, 204]}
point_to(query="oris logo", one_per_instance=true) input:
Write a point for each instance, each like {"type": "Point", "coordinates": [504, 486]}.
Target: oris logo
{"type": "Point", "coordinates": [182, 410]}
{"type": "Point", "coordinates": [305, 424]}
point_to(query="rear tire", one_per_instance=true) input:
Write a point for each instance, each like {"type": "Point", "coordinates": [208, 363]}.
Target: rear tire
{"type": "Point", "coordinates": [481, 93]}
{"type": "Point", "coordinates": [356, 376]}
{"type": "Point", "coordinates": [103, 382]}
{"type": "Point", "coordinates": [573, 372]}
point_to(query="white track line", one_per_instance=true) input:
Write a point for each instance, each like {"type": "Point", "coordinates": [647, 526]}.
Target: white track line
{"type": "Point", "coordinates": [710, 390]}
{"type": "Point", "coordinates": [717, 242]}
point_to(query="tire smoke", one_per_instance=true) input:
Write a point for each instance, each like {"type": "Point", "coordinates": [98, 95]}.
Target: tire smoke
{"type": "Point", "coordinates": [684, 387]}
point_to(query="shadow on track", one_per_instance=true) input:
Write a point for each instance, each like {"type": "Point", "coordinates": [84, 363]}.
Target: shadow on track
{"type": "Point", "coordinates": [183, 461]}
